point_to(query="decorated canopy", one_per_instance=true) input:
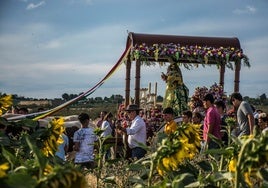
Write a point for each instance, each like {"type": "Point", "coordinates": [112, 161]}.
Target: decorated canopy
{"type": "Point", "coordinates": [148, 49]}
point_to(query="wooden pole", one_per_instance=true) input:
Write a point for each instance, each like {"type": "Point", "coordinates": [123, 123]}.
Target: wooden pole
{"type": "Point", "coordinates": [222, 72]}
{"type": "Point", "coordinates": [127, 89]}
{"type": "Point", "coordinates": [116, 142]}
{"type": "Point", "coordinates": [137, 83]}
{"type": "Point", "coordinates": [155, 88]}
{"type": "Point", "coordinates": [155, 92]}
{"type": "Point", "coordinates": [237, 75]}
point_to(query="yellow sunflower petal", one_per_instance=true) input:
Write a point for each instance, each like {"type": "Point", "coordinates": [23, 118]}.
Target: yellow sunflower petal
{"type": "Point", "coordinates": [232, 165]}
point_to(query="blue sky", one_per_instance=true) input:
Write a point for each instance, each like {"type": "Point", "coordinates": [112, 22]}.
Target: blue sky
{"type": "Point", "coordinates": [48, 48]}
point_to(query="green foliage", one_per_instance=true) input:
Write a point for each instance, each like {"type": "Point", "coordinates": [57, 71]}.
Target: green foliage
{"type": "Point", "coordinates": [29, 167]}
{"type": "Point", "coordinates": [23, 163]}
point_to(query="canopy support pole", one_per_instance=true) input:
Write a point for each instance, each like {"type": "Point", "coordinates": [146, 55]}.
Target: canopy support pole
{"type": "Point", "coordinates": [127, 89]}
{"type": "Point", "coordinates": [237, 75]}
{"type": "Point", "coordinates": [222, 72]}
{"type": "Point", "coordinates": [137, 83]}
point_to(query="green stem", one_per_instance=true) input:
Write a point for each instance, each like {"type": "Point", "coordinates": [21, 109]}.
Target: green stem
{"type": "Point", "coordinates": [220, 168]}
{"type": "Point", "coordinates": [238, 169]}
{"type": "Point", "coordinates": [229, 134]}
{"type": "Point", "coordinates": [152, 166]}
{"type": "Point", "coordinates": [99, 161]}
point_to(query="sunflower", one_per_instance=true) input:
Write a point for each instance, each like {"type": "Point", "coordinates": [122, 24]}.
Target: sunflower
{"type": "Point", "coordinates": [247, 179]}
{"type": "Point", "coordinates": [178, 146]}
{"type": "Point", "coordinates": [48, 170]}
{"type": "Point", "coordinates": [232, 165]}
{"type": "Point", "coordinates": [5, 103]}
{"type": "Point", "coordinates": [52, 142]}
{"type": "Point", "coordinates": [3, 168]}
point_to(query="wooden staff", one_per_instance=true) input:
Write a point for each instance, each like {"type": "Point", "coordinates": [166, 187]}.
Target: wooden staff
{"type": "Point", "coordinates": [116, 141]}
{"type": "Point", "coordinates": [155, 88]}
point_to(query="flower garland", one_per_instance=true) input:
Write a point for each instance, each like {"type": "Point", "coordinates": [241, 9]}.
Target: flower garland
{"type": "Point", "coordinates": [200, 54]}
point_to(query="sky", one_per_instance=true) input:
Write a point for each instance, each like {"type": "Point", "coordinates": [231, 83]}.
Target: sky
{"type": "Point", "coordinates": [48, 48]}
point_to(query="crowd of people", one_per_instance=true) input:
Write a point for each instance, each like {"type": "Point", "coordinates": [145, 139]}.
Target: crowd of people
{"type": "Point", "coordinates": [135, 126]}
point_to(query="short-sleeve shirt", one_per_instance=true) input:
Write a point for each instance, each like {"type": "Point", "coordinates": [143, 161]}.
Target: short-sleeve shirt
{"type": "Point", "coordinates": [86, 138]}
{"type": "Point", "coordinates": [212, 117]}
{"type": "Point", "coordinates": [243, 110]}
{"type": "Point", "coordinates": [107, 129]}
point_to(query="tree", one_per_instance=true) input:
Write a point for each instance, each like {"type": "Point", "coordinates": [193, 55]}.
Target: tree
{"type": "Point", "coordinates": [83, 98]}
{"type": "Point", "coordinates": [106, 99]}
{"type": "Point", "coordinates": [72, 96]}
{"type": "Point", "coordinates": [263, 98]}
{"type": "Point", "coordinates": [98, 99]}
{"type": "Point", "coordinates": [159, 98]}
{"type": "Point", "coordinates": [65, 96]}
{"type": "Point", "coordinates": [116, 98]}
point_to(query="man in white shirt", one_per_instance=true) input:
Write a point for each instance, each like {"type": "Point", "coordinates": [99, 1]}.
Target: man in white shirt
{"type": "Point", "coordinates": [136, 132]}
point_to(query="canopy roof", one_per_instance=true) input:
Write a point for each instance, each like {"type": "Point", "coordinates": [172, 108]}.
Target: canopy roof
{"type": "Point", "coordinates": [188, 50]}
{"type": "Point", "coordinates": [150, 39]}
{"type": "Point", "coordinates": [185, 49]}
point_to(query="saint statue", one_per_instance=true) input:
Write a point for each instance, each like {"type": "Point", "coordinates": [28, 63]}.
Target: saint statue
{"type": "Point", "coordinates": [176, 95]}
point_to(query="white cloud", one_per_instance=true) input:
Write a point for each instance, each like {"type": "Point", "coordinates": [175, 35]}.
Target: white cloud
{"type": "Point", "coordinates": [32, 6]}
{"type": "Point", "coordinates": [52, 44]}
{"type": "Point", "coordinates": [45, 59]}
{"type": "Point", "coordinates": [86, 2]}
{"type": "Point", "coordinates": [247, 10]}
{"type": "Point", "coordinates": [89, 2]}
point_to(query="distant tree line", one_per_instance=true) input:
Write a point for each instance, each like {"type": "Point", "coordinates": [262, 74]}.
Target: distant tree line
{"type": "Point", "coordinates": [113, 99]}
{"type": "Point", "coordinates": [260, 100]}
{"type": "Point", "coordinates": [96, 104]}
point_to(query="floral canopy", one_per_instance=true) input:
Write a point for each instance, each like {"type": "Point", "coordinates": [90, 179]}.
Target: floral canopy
{"type": "Point", "coordinates": [188, 51]}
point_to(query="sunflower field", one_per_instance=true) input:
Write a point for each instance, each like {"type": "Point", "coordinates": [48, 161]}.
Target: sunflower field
{"type": "Point", "coordinates": [27, 159]}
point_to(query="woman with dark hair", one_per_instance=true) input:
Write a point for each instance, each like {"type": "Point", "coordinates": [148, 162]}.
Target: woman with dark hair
{"type": "Point", "coordinates": [107, 127]}
{"type": "Point", "coordinates": [220, 105]}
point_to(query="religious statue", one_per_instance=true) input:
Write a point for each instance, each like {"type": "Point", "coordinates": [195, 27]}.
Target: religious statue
{"type": "Point", "coordinates": [176, 95]}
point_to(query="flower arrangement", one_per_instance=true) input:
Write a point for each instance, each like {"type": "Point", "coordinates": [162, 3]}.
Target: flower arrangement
{"type": "Point", "coordinates": [200, 54]}
{"type": "Point", "coordinates": [216, 90]}
{"type": "Point", "coordinates": [196, 99]}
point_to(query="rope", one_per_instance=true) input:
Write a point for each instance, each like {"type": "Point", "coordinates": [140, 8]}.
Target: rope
{"type": "Point", "coordinates": [41, 115]}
